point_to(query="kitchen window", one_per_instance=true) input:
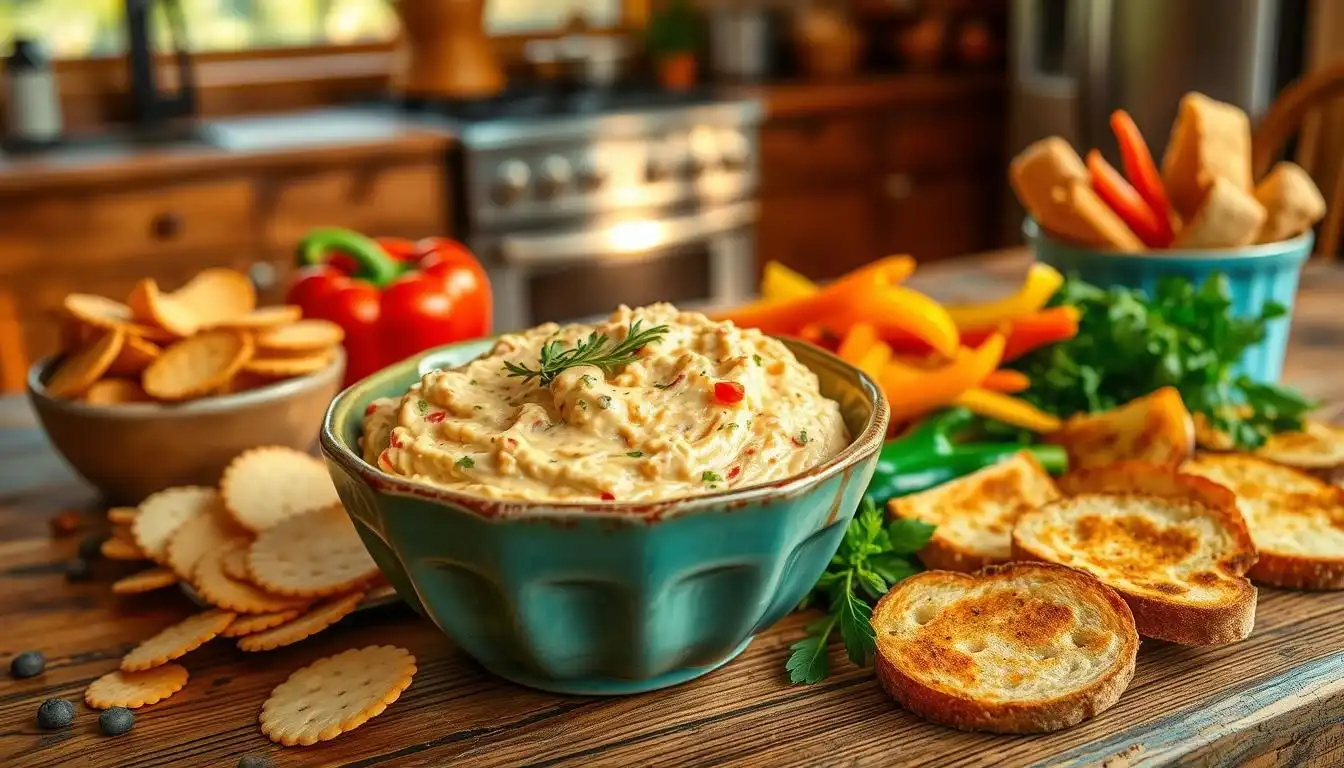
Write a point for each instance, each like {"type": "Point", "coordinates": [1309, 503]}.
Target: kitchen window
{"type": "Point", "coordinates": [76, 29]}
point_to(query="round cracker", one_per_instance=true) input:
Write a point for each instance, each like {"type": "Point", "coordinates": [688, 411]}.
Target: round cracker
{"type": "Point", "coordinates": [116, 392]}
{"type": "Point", "coordinates": [75, 333]}
{"type": "Point", "coordinates": [234, 564]}
{"type": "Point", "coordinates": [198, 365]}
{"type": "Point", "coordinates": [177, 641]}
{"type": "Point", "coordinates": [122, 515]}
{"type": "Point", "coordinates": [217, 296]}
{"type": "Point", "coordinates": [336, 694]}
{"type": "Point", "coordinates": [265, 317]}
{"type": "Point", "coordinates": [209, 530]}
{"type": "Point", "coordinates": [163, 513]}
{"type": "Point", "coordinates": [136, 689]}
{"type": "Point", "coordinates": [285, 367]}
{"type": "Point", "coordinates": [120, 549]}
{"type": "Point", "coordinates": [215, 587]}
{"type": "Point", "coordinates": [303, 627]}
{"type": "Point", "coordinates": [136, 355]}
{"type": "Point", "coordinates": [258, 622]}
{"type": "Point", "coordinates": [144, 581]}
{"type": "Point", "coordinates": [265, 485]}
{"type": "Point", "coordinates": [314, 554]}
{"type": "Point", "coordinates": [98, 311]}
{"type": "Point", "coordinates": [310, 334]}
{"type": "Point", "coordinates": [151, 306]}
{"type": "Point", "coordinates": [78, 372]}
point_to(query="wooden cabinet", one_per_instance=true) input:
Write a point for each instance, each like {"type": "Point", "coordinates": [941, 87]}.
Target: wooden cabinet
{"type": "Point", "coordinates": [843, 185]}
{"type": "Point", "coordinates": [101, 233]}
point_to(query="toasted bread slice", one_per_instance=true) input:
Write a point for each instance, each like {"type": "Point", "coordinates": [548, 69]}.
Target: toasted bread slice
{"type": "Point", "coordinates": [974, 514]}
{"type": "Point", "coordinates": [1318, 448]}
{"type": "Point", "coordinates": [1209, 140]}
{"type": "Point", "coordinates": [1019, 648]}
{"type": "Point", "coordinates": [1173, 546]}
{"type": "Point", "coordinates": [1053, 184]}
{"type": "Point", "coordinates": [1292, 203]}
{"type": "Point", "coordinates": [1228, 217]}
{"type": "Point", "coordinates": [1296, 520]}
{"type": "Point", "coordinates": [1155, 428]}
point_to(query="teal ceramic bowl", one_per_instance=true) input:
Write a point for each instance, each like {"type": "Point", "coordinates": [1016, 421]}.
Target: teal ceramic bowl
{"type": "Point", "coordinates": [604, 597]}
{"type": "Point", "coordinates": [1256, 274]}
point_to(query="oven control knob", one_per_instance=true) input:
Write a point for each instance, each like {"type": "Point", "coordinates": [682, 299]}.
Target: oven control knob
{"type": "Point", "coordinates": [659, 166]}
{"type": "Point", "coordinates": [591, 174]}
{"type": "Point", "coordinates": [734, 148]}
{"type": "Point", "coordinates": [703, 151]}
{"type": "Point", "coordinates": [554, 176]}
{"type": "Point", "coordinates": [511, 181]}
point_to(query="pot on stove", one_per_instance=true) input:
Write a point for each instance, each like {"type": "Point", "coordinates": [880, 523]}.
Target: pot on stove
{"type": "Point", "coordinates": [445, 52]}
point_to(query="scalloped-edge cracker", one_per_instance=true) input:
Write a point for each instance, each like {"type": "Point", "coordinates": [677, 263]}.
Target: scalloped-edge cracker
{"type": "Point", "coordinates": [309, 334]}
{"type": "Point", "coordinates": [163, 513]}
{"type": "Point", "coordinates": [122, 515]}
{"type": "Point", "coordinates": [217, 295]}
{"type": "Point", "coordinates": [152, 306]}
{"type": "Point", "coordinates": [144, 581]}
{"type": "Point", "coordinates": [136, 689]}
{"type": "Point", "coordinates": [209, 530]}
{"type": "Point", "coordinates": [234, 564]}
{"type": "Point", "coordinates": [314, 554]}
{"type": "Point", "coordinates": [258, 622]}
{"type": "Point", "coordinates": [198, 365]}
{"type": "Point", "coordinates": [285, 367]}
{"type": "Point", "coordinates": [178, 640]}
{"type": "Point", "coordinates": [119, 549]}
{"type": "Point", "coordinates": [265, 485]}
{"type": "Point", "coordinates": [136, 355]}
{"type": "Point", "coordinates": [216, 588]}
{"type": "Point", "coordinates": [336, 694]}
{"type": "Point", "coordinates": [303, 627]}
{"type": "Point", "coordinates": [265, 317]}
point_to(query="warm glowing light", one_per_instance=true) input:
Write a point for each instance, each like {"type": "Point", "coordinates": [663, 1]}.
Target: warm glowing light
{"type": "Point", "coordinates": [630, 236]}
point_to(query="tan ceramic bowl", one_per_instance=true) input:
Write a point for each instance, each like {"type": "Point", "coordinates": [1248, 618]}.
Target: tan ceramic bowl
{"type": "Point", "coordinates": [130, 451]}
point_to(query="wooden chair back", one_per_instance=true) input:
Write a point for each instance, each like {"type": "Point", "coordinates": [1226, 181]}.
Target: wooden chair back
{"type": "Point", "coordinates": [1299, 111]}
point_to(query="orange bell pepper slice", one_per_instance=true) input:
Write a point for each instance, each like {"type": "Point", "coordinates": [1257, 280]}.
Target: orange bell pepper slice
{"type": "Point", "coordinates": [875, 360]}
{"type": "Point", "coordinates": [1041, 283]}
{"type": "Point", "coordinates": [1008, 409]}
{"type": "Point", "coordinates": [1032, 332]}
{"type": "Point", "coordinates": [1142, 173]}
{"type": "Point", "coordinates": [914, 391]}
{"type": "Point", "coordinates": [1006, 380]}
{"type": "Point", "coordinates": [858, 340]}
{"type": "Point", "coordinates": [1122, 198]}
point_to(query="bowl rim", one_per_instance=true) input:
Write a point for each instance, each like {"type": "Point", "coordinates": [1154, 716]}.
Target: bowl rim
{"type": "Point", "coordinates": [868, 441]}
{"type": "Point", "coordinates": [1291, 247]}
{"type": "Point", "coordinates": [213, 404]}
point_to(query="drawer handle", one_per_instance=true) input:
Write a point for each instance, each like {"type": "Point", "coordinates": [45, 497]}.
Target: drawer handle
{"type": "Point", "coordinates": [899, 186]}
{"type": "Point", "coordinates": [166, 226]}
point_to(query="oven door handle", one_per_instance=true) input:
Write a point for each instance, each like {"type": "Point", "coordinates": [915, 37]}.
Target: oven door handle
{"type": "Point", "coordinates": [625, 237]}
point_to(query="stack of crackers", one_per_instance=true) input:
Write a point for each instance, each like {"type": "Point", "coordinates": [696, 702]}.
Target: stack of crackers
{"type": "Point", "coordinates": [206, 338]}
{"type": "Point", "coordinates": [277, 559]}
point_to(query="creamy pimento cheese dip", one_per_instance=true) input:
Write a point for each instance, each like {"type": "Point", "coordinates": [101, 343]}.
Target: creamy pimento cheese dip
{"type": "Point", "coordinates": [707, 407]}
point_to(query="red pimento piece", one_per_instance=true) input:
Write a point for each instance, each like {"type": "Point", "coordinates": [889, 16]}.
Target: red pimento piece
{"type": "Point", "coordinates": [510, 443]}
{"type": "Point", "coordinates": [607, 496]}
{"type": "Point", "coordinates": [370, 409]}
{"type": "Point", "coordinates": [383, 462]}
{"type": "Point", "coordinates": [435, 417]}
{"type": "Point", "coordinates": [395, 441]}
{"type": "Point", "coordinates": [734, 472]}
{"type": "Point", "coordinates": [729, 392]}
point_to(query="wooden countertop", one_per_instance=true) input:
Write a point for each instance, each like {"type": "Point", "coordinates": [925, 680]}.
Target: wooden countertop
{"type": "Point", "coordinates": [1274, 699]}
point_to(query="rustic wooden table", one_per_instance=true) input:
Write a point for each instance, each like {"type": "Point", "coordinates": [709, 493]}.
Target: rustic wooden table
{"type": "Point", "coordinates": [1275, 699]}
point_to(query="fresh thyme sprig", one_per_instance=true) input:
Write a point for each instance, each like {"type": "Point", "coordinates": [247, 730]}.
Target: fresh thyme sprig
{"type": "Point", "coordinates": [596, 350]}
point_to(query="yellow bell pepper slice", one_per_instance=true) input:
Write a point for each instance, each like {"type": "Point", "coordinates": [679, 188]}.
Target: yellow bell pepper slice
{"type": "Point", "coordinates": [1041, 283]}
{"type": "Point", "coordinates": [914, 391]}
{"type": "Point", "coordinates": [857, 341]}
{"type": "Point", "coordinates": [875, 359]}
{"type": "Point", "coordinates": [780, 282]}
{"type": "Point", "coordinates": [1008, 409]}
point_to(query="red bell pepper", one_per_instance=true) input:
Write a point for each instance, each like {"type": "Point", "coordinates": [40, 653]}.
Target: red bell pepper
{"type": "Point", "coordinates": [394, 298]}
{"type": "Point", "coordinates": [1142, 172]}
{"type": "Point", "coordinates": [1112, 188]}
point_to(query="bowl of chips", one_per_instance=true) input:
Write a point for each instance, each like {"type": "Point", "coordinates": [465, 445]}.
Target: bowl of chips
{"type": "Point", "coordinates": [166, 388]}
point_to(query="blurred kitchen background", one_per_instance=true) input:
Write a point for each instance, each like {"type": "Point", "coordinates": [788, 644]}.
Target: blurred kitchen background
{"type": "Point", "coordinates": [589, 152]}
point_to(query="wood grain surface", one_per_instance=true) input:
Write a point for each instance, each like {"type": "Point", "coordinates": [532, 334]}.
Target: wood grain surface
{"type": "Point", "coordinates": [1274, 699]}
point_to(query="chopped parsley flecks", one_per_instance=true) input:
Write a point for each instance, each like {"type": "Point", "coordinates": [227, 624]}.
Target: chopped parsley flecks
{"type": "Point", "coordinates": [802, 438]}
{"type": "Point", "coordinates": [710, 476]}
{"type": "Point", "coordinates": [730, 426]}
{"type": "Point", "coordinates": [466, 462]}
{"type": "Point", "coordinates": [583, 405]}
{"type": "Point", "coordinates": [587, 380]}
{"type": "Point", "coordinates": [421, 407]}
{"type": "Point", "coordinates": [635, 454]}
{"type": "Point", "coordinates": [604, 402]}
{"type": "Point", "coordinates": [758, 360]}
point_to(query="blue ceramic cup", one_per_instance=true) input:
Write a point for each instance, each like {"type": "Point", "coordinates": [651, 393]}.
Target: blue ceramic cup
{"type": "Point", "coordinates": [1256, 274]}
{"type": "Point", "coordinates": [604, 598]}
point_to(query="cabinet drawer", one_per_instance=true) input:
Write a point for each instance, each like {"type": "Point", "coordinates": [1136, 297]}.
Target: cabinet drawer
{"type": "Point", "coordinates": [936, 216]}
{"type": "Point", "coordinates": [90, 229]}
{"type": "Point", "coordinates": [949, 138]}
{"type": "Point", "coordinates": [819, 235]}
{"type": "Point", "coordinates": [811, 148]}
{"type": "Point", "coordinates": [398, 200]}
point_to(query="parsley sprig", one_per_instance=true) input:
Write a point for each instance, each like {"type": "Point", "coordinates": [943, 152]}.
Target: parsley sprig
{"type": "Point", "coordinates": [1185, 336]}
{"type": "Point", "coordinates": [597, 350]}
{"type": "Point", "coordinates": [870, 560]}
